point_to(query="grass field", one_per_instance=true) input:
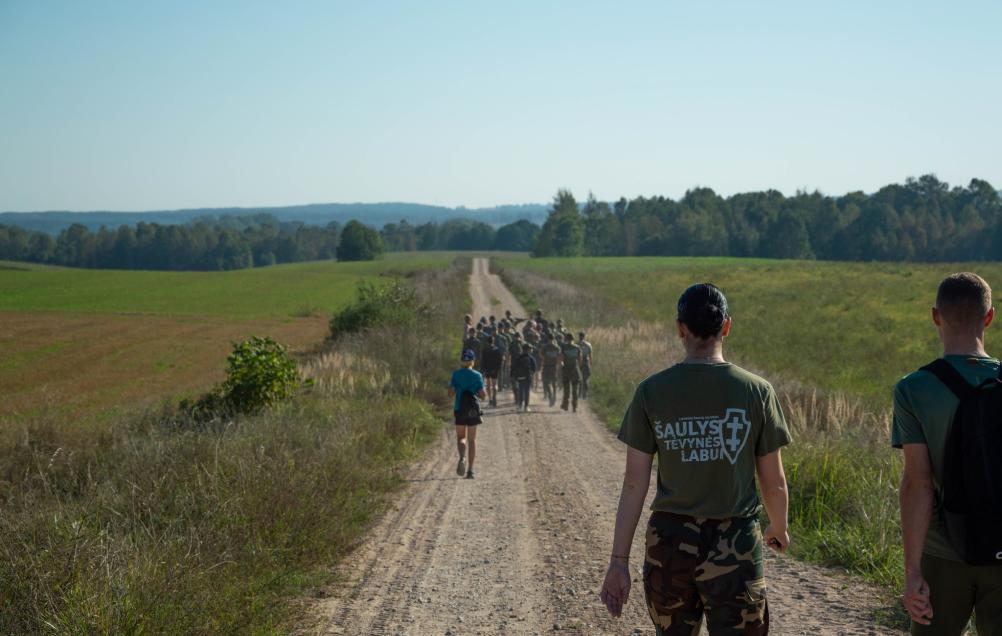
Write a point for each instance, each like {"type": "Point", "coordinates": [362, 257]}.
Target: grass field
{"type": "Point", "coordinates": [833, 338]}
{"type": "Point", "coordinates": [155, 523]}
{"type": "Point", "coordinates": [83, 342]}
{"type": "Point", "coordinates": [848, 327]}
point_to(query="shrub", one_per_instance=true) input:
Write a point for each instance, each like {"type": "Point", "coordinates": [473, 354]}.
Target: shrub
{"type": "Point", "coordinates": [393, 305]}
{"type": "Point", "coordinates": [259, 373]}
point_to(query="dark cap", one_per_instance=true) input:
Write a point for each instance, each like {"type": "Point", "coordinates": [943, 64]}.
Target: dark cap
{"type": "Point", "coordinates": [468, 355]}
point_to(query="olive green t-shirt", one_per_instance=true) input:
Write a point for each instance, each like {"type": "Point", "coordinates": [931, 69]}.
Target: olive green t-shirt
{"type": "Point", "coordinates": [551, 354]}
{"type": "Point", "coordinates": [707, 423]}
{"type": "Point", "coordinates": [923, 411]}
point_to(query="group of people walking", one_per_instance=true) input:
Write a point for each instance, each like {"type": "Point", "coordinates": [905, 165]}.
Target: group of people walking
{"type": "Point", "coordinates": [512, 353]}
{"type": "Point", "coordinates": [717, 429]}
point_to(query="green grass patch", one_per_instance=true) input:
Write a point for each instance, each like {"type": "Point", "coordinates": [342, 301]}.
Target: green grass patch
{"type": "Point", "coordinates": [851, 327]}
{"type": "Point", "coordinates": [298, 289]}
{"type": "Point", "coordinates": [143, 525]}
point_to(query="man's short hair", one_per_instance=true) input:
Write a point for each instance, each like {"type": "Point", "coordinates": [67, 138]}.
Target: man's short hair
{"type": "Point", "coordinates": [964, 299]}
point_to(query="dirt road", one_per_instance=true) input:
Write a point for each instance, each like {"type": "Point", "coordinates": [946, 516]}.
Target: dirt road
{"type": "Point", "coordinates": [522, 549]}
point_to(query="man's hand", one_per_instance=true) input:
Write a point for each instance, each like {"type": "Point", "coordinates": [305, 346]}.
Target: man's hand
{"type": "Point", "coordinates": [616, 587]}
{"type": "Point", "coordinates": [777, 539]}
{"type": "Point", "coordinates": [917, 598]}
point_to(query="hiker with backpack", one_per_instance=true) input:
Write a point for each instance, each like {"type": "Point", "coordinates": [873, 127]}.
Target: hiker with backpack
{"type": "Point", "coordinates": [466, 387]}
{"type": "Point", "coordinates": [714, 427]}
{"type": "Point", "coordinates": [522, 371]}
{"type": "Point", "coordinates": [570, 371]}
{"type": "Point", "coordinates": [550, 355]}
{"type": "Point", "coordinates": [948, 423]}
{"type": "Point", "coordinates": [490, 364]}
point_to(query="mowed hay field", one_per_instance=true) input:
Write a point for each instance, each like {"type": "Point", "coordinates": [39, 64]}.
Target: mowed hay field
{"type": "Point", "coordinates": [77, 342]}
{"type": "Point", "coordinates": [833, 338]}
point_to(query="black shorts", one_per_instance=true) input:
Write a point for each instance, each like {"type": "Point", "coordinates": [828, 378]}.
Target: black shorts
{"type": "Point", "coordinates": [491, 373]}
{"type": "Point", "coordinates": [458, 423]}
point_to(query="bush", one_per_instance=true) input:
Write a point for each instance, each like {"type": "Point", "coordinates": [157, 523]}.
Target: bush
{"type": "Point", "coordinates": [259, 373]}
{"type": "Point", "coordinates": [392, 305]}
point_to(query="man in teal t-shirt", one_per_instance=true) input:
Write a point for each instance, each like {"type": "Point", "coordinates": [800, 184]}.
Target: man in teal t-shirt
{"type": "Point", "coordinates": [941, 591]}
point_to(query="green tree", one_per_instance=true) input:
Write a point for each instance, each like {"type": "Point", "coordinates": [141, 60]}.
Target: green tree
{"type": "Point", "coordinates": [563, 232]}
{"type": "Point", "coordinates": [516, 237]}
{"type": "Point", "coordinates": [359, 242]}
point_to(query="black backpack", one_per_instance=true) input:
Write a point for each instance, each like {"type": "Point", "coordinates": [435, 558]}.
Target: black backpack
{"type": "Point", "coordinates": [469, 409]}
{"type": "Point", "coordinates": [971, 502]}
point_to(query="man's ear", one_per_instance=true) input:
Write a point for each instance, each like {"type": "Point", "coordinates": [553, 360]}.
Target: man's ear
{"type": "Point", "coordinates": [989, 317]}
{"type": "Point", "coordinates": [937, 318]}
{"type": "Point", "coordinates": [726, 329]}
{"type": "Point", "coordinates": [682, 329]}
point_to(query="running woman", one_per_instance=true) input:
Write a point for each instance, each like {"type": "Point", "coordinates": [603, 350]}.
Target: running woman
{"type": "Point", "coordinates": [714, 428]}
{"type": "Point", "coordinates": [466, 380]}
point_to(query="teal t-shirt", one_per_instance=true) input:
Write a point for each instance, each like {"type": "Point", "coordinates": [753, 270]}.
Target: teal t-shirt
{"type": "Point", "coordinates": [923, 411]}
{"type": "Point", "coordinates": [465, 380]}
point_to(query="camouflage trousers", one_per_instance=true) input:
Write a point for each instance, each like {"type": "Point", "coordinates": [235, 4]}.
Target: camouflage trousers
{"type": "Point", "coordinates": [697, 566]}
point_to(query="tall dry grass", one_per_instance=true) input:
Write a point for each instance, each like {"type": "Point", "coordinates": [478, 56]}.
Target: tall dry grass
{"type": "Point", "coordinates": [843, 476]}
{"type": "Point", "coordinates": [147, 525]}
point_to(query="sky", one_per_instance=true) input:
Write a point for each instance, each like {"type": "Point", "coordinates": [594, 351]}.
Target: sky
{"type": "Point", "coordinates": [164, 105]}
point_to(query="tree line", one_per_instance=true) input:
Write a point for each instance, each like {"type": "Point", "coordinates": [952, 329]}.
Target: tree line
{"type": "Point", "coordinates": [237, 242]}
{"type": "Point", "coordinates": [923, 219]}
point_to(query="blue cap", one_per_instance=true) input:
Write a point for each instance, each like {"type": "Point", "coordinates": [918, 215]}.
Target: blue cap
{"type": "Point", "coordinates": [468, 355]}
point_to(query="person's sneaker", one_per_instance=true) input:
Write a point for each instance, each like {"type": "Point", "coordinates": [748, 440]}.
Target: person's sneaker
{"type": "Point", "coordinates": [563, 406]}
{"type": "Point", "coordinates": [469, 474]}
{"type": "Point", "coordinates": [461, 466]}
{"type": "Point", "coordinates": [526, 409]}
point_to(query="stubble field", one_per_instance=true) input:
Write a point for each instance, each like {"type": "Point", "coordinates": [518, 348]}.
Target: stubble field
{"type": "Point", "coordinates": [80, 343]}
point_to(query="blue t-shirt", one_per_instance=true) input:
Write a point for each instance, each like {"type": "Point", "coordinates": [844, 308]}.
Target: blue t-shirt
{"type": "Point", "coordinates": [466, 380]}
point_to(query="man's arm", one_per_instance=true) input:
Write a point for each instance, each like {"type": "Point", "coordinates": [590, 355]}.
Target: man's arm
{"type": "Point", "coordinates": [916, 496]}
{"type": "Point", "coordinates": [636, 481]}
{"type": "Point", "coordinates": [772, 481]}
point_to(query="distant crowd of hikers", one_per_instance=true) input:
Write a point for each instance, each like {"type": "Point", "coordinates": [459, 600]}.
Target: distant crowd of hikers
{"type": "Point", "coordinates": [716, 429]}
{"type": "Point", "coordinates": [511, 353]}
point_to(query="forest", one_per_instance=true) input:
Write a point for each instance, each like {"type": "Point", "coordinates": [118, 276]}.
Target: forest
{"type": "Point", "coordinates": [923, 219]}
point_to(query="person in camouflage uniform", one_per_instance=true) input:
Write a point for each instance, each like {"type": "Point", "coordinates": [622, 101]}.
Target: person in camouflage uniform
{"type": "Point", "coordinates": [503, 340]}
{"type": "Point", "coordinates": [550, 354]}
{"type": "Point", "coordinates": [570, 371]}
{"type": "Point", "coordinates": [716, 429]}
{"type": "Point", "coordinates": [514, 351]}
{"type": "Point", "coordinates": [693, 562]}
{"type": "Point", "coordinates": [586, 350]}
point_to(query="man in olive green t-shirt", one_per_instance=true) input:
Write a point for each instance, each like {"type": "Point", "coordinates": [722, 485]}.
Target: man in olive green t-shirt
{"type": "Point", "coordinates": [714, 428]}
{"type": "Point", "coordinates": [941, 591]}
{"type": "Point", "coordinates": [570, 372]}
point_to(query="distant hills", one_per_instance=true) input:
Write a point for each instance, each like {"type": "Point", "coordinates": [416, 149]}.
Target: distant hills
{"type": "Point", "coordinates": [374, 214]}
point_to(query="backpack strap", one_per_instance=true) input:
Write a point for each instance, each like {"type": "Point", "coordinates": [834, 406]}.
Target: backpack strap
{"type": "Point", "coordinates": [948, 375]}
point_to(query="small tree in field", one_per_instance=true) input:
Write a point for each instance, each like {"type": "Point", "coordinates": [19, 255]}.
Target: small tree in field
{"type": "Point", "coordinates": [359, 243]}
{"type": "Point", "coordinates": [259, 373]}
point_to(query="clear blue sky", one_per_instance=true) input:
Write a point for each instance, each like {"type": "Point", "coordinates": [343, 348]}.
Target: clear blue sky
{"type": "Point", "coordinates": [152, 105]}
